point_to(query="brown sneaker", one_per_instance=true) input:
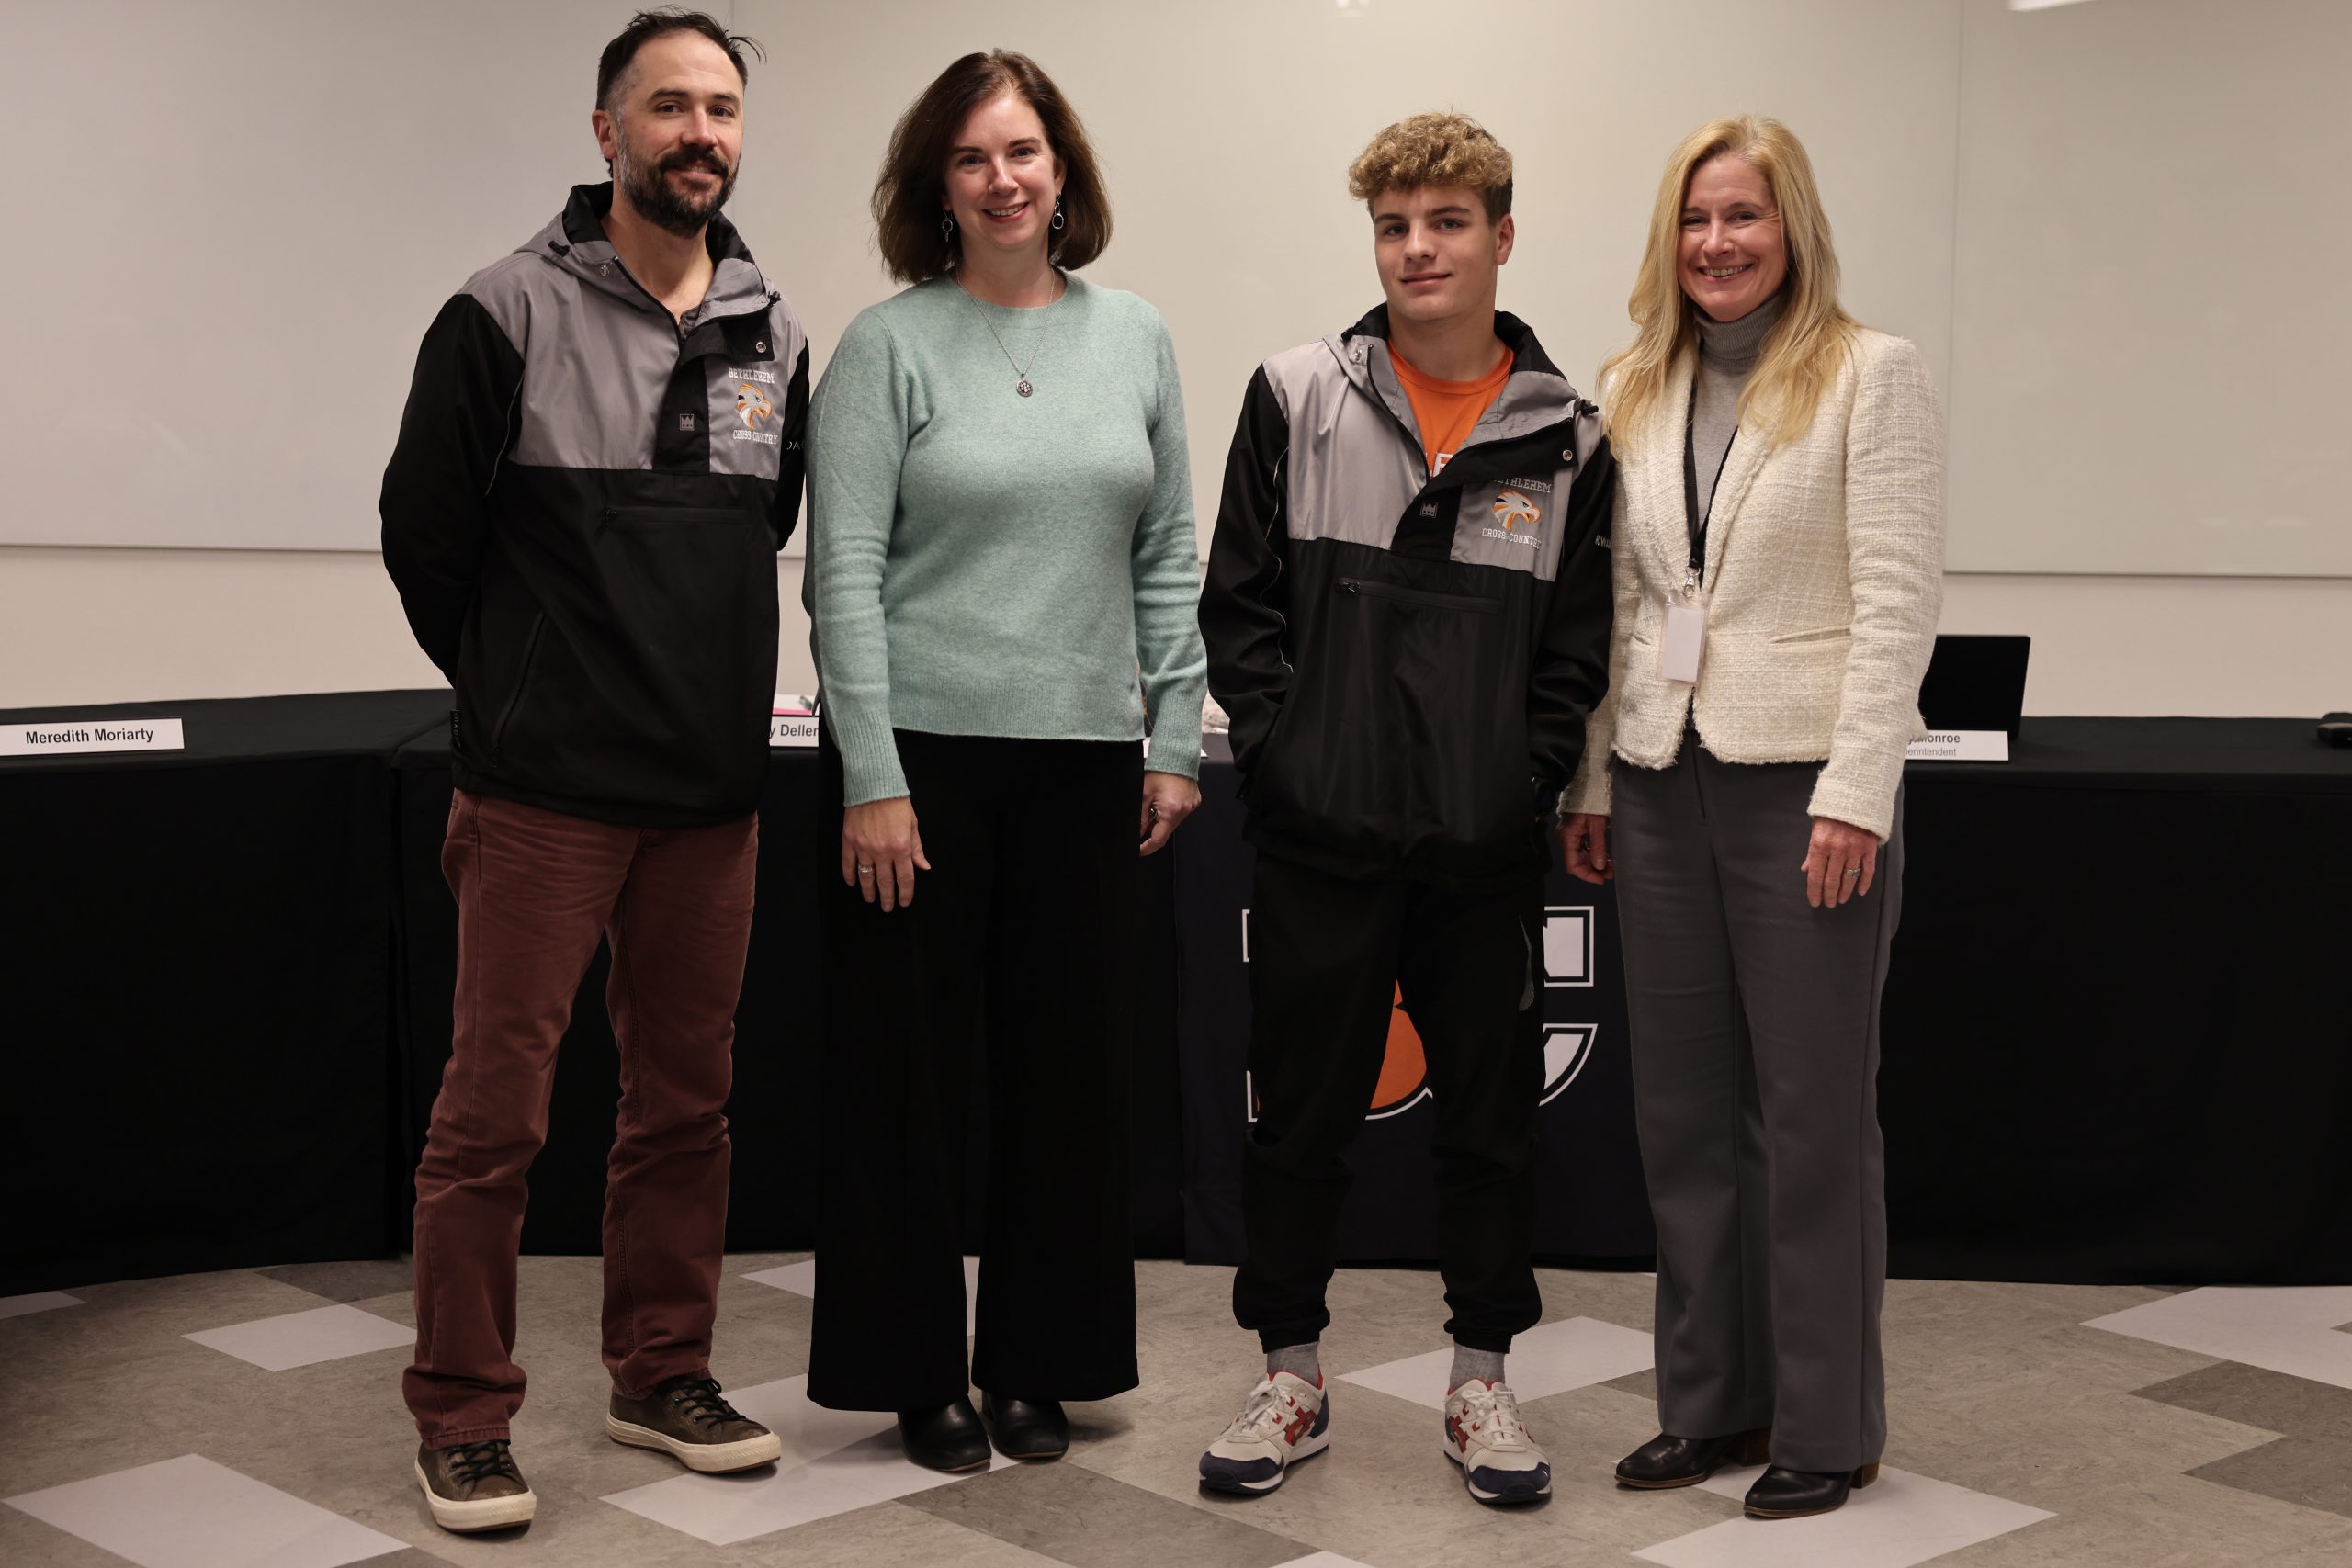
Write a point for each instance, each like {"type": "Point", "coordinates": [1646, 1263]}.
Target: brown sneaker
{"type": "Point", "coordinates": [685, 1418]}
{"type": "Point", "coordinates": [475, 1486]}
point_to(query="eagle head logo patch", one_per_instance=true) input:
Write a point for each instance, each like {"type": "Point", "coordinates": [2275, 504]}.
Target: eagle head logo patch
{"type": "Point", "coordinates": [753, 404]}
{"type": "Point", "coordinates": [1515, 509]}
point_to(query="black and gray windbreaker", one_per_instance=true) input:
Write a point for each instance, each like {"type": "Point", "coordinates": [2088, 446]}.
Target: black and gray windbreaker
{"type": "Point", "coordinates": [582, 516]}
{"type": "Point", "coordinates": [1409, 660]}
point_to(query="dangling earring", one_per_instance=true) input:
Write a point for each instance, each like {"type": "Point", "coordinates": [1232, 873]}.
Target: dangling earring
{"type": "Point", "coordinates": [947, 228]}
{"type": "Point", "coordinates": [1058, 212]}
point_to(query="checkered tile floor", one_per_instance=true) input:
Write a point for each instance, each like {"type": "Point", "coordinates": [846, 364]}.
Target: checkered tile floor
{"type": "Point", "coordinates": [253, 1418]}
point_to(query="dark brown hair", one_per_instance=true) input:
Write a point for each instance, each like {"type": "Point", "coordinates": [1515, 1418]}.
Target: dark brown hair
{"type": "Point", "coordinates": [908, 192]}
{"type": "Point", "coordinates": [647, 26]}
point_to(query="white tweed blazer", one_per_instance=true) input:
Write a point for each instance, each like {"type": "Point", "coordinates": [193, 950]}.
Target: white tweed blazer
{"type": "Point", "coordinates": [1824, 579]}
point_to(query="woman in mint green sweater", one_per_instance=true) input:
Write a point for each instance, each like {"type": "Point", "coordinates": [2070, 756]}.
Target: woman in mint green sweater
{"type": "Point", "coordinates": [1001, 578]}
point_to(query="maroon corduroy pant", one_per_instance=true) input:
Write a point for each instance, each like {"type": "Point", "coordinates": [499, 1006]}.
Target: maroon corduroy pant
{"type": "Point", "coordinates": [536, 889]}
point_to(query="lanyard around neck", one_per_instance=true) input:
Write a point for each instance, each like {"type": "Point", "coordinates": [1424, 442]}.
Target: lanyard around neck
{"type": "Point", "coordinates": [1693, 517]}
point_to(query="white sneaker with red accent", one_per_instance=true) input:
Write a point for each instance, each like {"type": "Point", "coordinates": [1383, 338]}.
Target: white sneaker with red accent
{"type": "Point", "coordinates": [1484, 1435]}
{"type": "Point", "coordinates": [1285, 1419]}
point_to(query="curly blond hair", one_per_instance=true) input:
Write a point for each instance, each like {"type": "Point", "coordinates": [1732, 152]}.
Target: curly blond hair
{"type": "Point", "coordinates": [1434, 149]}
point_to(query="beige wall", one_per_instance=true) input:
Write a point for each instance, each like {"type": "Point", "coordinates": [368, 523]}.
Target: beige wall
{"type": "Point", "coordinates": [98, 625]}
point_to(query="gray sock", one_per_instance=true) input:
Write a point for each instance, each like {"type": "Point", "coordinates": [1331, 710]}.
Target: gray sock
{"type": "Point", "coordinates": [1302, 1361]}
{"type": "Point", "coordinates": [1487, 1366]}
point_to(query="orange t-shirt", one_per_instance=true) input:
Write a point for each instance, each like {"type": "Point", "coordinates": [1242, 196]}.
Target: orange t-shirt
{"type": "Point", "coordinates": [1448, 411]}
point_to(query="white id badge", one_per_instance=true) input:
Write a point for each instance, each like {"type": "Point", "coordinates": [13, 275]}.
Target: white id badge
{"type": "Point", "coordinates": [1685, 634]}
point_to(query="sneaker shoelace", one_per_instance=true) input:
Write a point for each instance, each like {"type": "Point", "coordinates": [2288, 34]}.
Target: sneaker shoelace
{"type": "Point", "coordinates": [470, 1462]}
{"type": "Point", "coordinates": [1494, 1416]}
{"type": "Point", "coordinates": [698, 1399]}
{"type": "Point", "coordinates": [1269, 1414]}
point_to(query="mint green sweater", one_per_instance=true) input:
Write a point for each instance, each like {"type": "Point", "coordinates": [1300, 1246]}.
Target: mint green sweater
{"type": "Point", "coordinates": [982, 563]}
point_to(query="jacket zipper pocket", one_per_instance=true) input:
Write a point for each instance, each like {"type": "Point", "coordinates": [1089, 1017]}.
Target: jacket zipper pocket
{"type": "Point", "coordinates": [1478, 602]}
{"type": "Point", "coordinates": [521, 681]}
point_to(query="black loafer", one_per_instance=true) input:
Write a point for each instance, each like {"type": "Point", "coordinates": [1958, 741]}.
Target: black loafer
{"type": "Point", "coordinates": [1663, 1461]}
{"type": "Point", "coordinates": [1798, 1493]}
{"type": "Point", "coordinates": [1026, 1428]}
{"type": "Point", "coordinates": [948, 1438]}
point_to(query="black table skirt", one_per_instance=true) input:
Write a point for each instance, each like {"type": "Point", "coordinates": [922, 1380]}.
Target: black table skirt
{"type": "Point", "coordinates": [2117, 1043]}
{"type": "Point", "coordinates": [2117, 1048]}
{"type": "Point", "coordinates": [199, 980]}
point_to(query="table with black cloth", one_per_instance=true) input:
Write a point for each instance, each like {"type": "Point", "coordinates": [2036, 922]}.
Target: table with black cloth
{"type": "Point", "coordinates": [2117, 1039]}
{"type": "Point", "coordinates": [2117, 1047]}
{"type": "Point", "coordinates": [198, 975]}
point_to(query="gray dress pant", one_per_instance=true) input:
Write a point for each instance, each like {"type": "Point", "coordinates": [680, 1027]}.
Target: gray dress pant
{"type": "Point", "coordinates": [1755, 1047]}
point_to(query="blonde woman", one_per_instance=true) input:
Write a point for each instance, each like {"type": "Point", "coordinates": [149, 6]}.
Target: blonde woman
{"type": "Point", "coordinates": [1777, 564]}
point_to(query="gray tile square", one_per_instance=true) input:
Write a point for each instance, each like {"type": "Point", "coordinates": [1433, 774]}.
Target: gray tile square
{"type": "Point", "coordinates": [2308, 1472]}
{"type": "Point", "coordinates": [2256, 1396]}
{"type": "Point", "coordinates": [1642, 1384]}
{"type": "Point", "coordinates": [360, 1280]}
{"type": "Point", "coordinates": [40, 1300]}
{"type": "Point", "coordinates": [1068, 1513]}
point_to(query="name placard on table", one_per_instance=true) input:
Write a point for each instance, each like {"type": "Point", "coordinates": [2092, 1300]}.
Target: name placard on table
{"type": "Point", "coordinates": [1960, 746]}
{"type": "Point", "coordinates": [79, 737]}
{"type": "Point", "coordinates": [792, 721]}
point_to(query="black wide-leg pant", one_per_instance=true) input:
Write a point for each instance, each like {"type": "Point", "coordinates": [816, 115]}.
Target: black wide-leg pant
{"type": "Point", "coordinates": [1020, 943]}
{"type": "Point", "coordinates": [1327, 958]}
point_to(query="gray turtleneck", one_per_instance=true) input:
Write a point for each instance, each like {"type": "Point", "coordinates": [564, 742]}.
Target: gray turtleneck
{"type": "Point", "coordinates": [1727, 355]}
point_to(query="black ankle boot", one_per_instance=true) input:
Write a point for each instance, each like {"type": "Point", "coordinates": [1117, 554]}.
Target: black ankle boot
{"type": "Point", "coordinates": [1665, 1462]}
{"type": "Point", "coordinates": [1026, 1429]}
{"type": "Point", "coordinates": [1781, 1493]}
{"type": "Point", "coordinates": [946, 1438]}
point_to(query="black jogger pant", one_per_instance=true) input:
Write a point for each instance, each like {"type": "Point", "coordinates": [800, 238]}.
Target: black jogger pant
{"type": "Point", "coordinates": [1021, 936]}
{"type": "Point", "coordinates": [1327, 958]}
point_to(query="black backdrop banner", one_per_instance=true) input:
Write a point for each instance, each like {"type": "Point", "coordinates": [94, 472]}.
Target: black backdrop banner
{"type": "Point", "coordinates": [1589, 1204]}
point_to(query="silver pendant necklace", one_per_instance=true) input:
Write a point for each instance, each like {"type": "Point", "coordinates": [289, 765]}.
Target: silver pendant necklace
{"type": "Point", "coordinates": [1020, 371]}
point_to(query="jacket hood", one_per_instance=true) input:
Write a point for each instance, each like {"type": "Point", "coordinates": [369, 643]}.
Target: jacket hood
{"type": "Point", "coordinates": [574, 240]}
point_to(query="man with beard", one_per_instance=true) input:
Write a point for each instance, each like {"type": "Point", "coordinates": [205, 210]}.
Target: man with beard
{"type": "Point", "coordinates": [599, 460]}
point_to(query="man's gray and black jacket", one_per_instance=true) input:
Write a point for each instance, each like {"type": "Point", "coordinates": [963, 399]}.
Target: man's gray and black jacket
{"type": "Point", "coordinates": [1407, 659]}
{"type": "Point", "coordinates": [583, 517]}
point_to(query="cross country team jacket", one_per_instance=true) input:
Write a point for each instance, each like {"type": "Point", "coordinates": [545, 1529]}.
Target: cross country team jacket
{"type": "Point", "coordinates": [1409, 659]}
{"type": "Point", "coordinates": [582, 516]}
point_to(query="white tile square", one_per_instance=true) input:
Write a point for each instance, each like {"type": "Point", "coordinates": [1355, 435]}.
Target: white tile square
{"type": "Point", "coordinates": [40, 1300]}
{"type": "Point", "coordinates": [301, 1338]}
{"type": "Point", "coordinates": [800, 1279]}
{"type": "Point", "coordinates": [191, 1512]}
{"type": "Point", "coordinates": [2283, 1328]}
{"type": "Point", "coordinates": [835, 1460]}
{"type": "Point", "coordinates": [1574, 1352]}
{"type": "Point", "coordinates": [1901, 1519]}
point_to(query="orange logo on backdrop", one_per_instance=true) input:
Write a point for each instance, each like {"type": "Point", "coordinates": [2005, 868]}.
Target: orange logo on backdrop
{"type": "Point", "coordinates": [1403, 1069]}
